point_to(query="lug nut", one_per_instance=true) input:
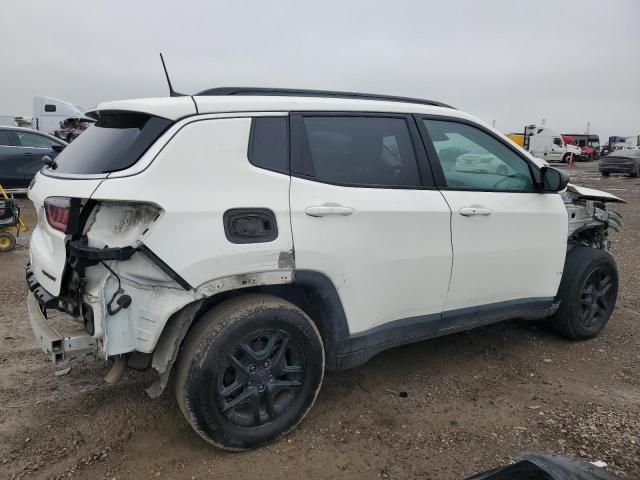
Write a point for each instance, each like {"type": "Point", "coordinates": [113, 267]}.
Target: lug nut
{"type": "Point", "coordinates": [252, 369]}
{"type": "Point", "coordinates": [266, 365]}
{"type": "Point", "coordinates": [261, 388]}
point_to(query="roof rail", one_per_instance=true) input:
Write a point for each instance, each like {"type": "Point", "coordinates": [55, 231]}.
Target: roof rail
{"type": "Point", "coordinates": [293, 92]}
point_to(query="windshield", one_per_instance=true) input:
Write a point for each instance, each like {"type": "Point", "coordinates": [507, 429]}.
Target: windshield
{"type": "Point", "coordinates": [626, 153]}
{"type": "Point", "coordinates": [115, 142]}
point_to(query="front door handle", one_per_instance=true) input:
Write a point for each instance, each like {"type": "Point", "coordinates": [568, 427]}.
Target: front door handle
{"type": "Point", "coordinates": [475, 211]}
{"type": "Point", "coordinates": [324, 210]}
{"type": "Point", "coordinates": [27, 154]}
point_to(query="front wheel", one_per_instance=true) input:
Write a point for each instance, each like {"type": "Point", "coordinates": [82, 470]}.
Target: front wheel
{"type": "Point", "coordinates": [588, 293]}
{"type": "Point", "coordinates": [605, 174]}
{"type": "Point", "coordinates": [249, 371]}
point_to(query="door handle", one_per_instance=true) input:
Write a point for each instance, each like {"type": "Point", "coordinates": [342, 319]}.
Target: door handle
{"type": "Point", "coordinates": [27, 154]}
{"type": "Point", "coordinates": [475, 211]}
{"type": "Point", "coordinates": [324, 210]}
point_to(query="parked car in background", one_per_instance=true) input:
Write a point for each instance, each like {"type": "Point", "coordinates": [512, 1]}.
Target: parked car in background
{"type": "Point", "coordinates": [21, 154]}
{"type": "Point", "coordinates": [621, 161]}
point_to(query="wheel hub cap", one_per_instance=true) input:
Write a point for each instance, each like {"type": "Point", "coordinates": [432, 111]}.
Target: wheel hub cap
{"type": "Point", "coordinates": [596, 297]}
{"type": "Point", "coordinates": [262, 376]}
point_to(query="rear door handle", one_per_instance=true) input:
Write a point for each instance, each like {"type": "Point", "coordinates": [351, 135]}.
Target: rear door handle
{"type": "Point", "coordinates": [475, 211]}
{"type": "Point", "coordinates": [324, 210]}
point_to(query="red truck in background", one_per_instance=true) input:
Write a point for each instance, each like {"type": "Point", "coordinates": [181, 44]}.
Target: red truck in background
{"type": "Point", "coordinates": [589, 145]}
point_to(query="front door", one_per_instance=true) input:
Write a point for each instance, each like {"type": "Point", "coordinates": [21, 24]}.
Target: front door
{"type": "Point", "coordinates": [364, 212]}
{"type": "Point", "coordinates": [509, 240]}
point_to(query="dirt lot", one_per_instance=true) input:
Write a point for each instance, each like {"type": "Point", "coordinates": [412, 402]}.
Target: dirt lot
{"type": "Point", "coordinates": [475, 400]}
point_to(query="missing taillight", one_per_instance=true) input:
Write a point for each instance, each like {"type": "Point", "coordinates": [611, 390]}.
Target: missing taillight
{"type": "Point", "coordinates": [62, 213]}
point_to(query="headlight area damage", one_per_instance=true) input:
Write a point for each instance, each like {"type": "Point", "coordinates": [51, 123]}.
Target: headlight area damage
{"type": "Point", "coordinates": [117, 287]}
{"type": "Point", "coordinates": [591, 221]}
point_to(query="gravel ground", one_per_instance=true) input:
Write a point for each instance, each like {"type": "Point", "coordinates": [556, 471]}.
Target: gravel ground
{"type": "Point", "coordinates": [475, 399]}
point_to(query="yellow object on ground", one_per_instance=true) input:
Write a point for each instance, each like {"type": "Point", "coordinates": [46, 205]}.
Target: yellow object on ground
{"type": "Point", "coordinates": [22, 227]}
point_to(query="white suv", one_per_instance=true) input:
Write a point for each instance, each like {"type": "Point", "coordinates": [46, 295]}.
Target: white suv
{"type": "Point", "coordinates": [255, 238]}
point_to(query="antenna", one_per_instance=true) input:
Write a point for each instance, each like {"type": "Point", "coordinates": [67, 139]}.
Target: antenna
{"type": "Point", "coordinates": [172, 92]}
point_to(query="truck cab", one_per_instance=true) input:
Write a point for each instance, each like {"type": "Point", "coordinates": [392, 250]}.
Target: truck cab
{"type": "Point", "coordinates": [545, 143]}
{"type": "Point", "coordinates": [48, 113]}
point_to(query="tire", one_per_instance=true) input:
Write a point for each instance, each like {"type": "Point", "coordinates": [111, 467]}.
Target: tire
{"type": "Point", "coordinates": [7, 242]}
{"type": "Point", "coordinates": [590, 278]}
{"type": "Point", "coordinates": [605, 174]}
{"type": "Point", "coordinates": [565, 158]}
{"type": "Point", "coordinates": [261, 390]}
{"type": "Point", "coordinates": [636, 173]}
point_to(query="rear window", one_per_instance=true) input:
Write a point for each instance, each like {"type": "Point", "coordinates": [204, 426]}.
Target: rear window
{"type": "Point", "coordinates": [115, 142]}
{"type": "Point", "coordinates": [625, 153]}
{"type": "Point", "coordinates": [5, 139]}
{"type": "Point", "coordinates": [269, 144]}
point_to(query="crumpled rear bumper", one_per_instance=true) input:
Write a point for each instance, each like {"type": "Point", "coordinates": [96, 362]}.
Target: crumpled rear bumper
{"type": "Point", "coordinates": [56, 342]}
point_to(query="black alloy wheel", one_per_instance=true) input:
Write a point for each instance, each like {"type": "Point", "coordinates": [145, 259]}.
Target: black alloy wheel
{"type": "Point", "coordinates": [263, 376]}
{"type": "Point", "coordinates": [597, 298]}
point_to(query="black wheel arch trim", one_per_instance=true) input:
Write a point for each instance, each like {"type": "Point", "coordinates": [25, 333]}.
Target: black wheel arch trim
{"type": "Point", "coordinates": [343, 349]}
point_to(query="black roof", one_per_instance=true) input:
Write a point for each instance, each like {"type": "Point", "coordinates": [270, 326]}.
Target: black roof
{"type": "Point", "coordinates": [294, 92]}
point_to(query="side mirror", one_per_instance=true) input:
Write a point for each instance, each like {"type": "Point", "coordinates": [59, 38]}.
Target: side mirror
{"type": "Point", "coordinates": [552, 179]}
{"type": "Point", "coordinates": [49, 162]}
{"type": "Point", "coordinates": [57, 148]}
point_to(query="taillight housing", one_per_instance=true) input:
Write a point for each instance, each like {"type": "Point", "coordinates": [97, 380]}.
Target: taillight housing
{"type": "Point", "coordinates": [62, 213]}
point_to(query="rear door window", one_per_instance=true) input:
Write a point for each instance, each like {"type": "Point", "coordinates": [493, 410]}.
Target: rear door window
{"type": "Point", "coordinates": [5, 139]}
{"type": "Point", "coordinates": [115, 142]}
{"type": "Point", "coordinates": [33, 140]}
{"type": "Point", "coordinates": [359, 151]}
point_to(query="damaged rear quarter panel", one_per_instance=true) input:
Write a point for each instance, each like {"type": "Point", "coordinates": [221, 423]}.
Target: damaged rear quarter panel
{"type": "Point", "coordinates": [189, 182]}
{"type": "Point", "coordinates": [191, 179]}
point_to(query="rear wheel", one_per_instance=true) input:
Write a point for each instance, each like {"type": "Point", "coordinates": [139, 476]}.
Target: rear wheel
{"type": "Point", "coordinates": [605, 174]}
{"type": "Point", "coordinates": [249, 371]}
{"type": "Point", "coordinates": [7, 242]}
{"type": "Point", "coordinates": [637, 172]}
{"type": "Point", "coordinates": [588, 293]}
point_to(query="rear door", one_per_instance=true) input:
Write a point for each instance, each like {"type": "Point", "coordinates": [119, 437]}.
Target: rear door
{"type": "Point", "coordinates": [11, 161]}
{"type": "Point", "coordinates": [364, 212]}
{"type": "Point", "coordinates": [509, 240]}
